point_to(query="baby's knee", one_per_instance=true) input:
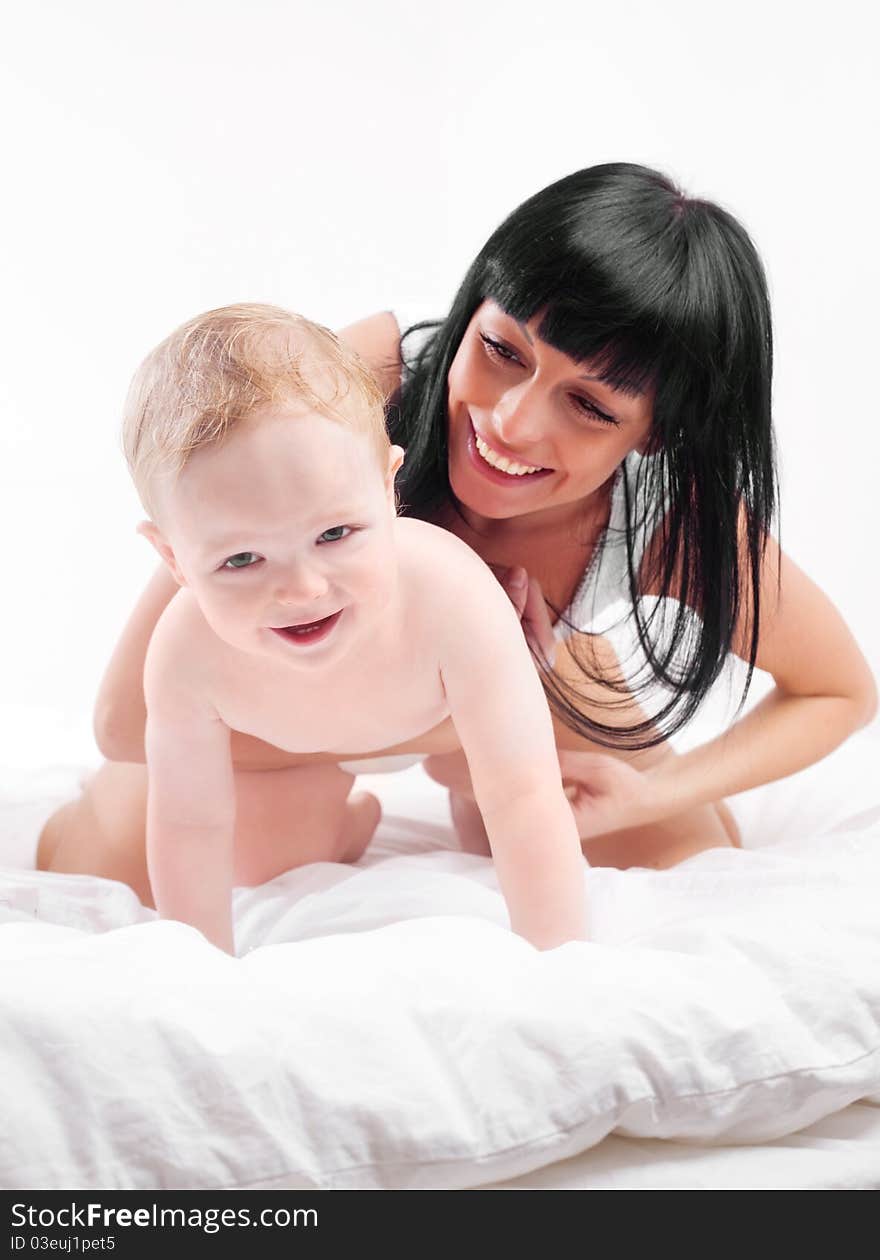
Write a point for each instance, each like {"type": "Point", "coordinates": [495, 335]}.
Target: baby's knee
{"type": "Point", "coordinates": [362, 815]}
{"type": "Point", "coordinates": [55, 829]}
{"type": "Point", "coordinates": [469, 826]}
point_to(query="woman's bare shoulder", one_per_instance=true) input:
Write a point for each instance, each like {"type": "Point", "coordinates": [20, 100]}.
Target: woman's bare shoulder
{"type": "Point", "coordinates": [377, 340]}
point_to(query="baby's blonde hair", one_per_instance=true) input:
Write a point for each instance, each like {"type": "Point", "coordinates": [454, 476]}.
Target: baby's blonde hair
{"type": "Point", "coordinates": [220, 368]}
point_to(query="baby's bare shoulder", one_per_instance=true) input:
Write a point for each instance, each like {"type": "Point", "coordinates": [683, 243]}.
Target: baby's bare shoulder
{"type": "Point", "coordinates": [451, 590]}
{"type": "Point", "coordinates": [437, 560]}
{"type": "Point", "coordinates": [183, 651]}
{"type": "Point", "coordinates": [182, 623]}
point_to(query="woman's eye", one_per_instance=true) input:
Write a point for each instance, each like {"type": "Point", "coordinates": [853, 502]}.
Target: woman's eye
{"type": "Point", "coordinates": [335, 534]}
{"type": "Point", "coordinates": [241, 560]}
{"type": "Point", "coordinates": [587, 408]}
{"type": "Point", "coordinates": [496, 350]}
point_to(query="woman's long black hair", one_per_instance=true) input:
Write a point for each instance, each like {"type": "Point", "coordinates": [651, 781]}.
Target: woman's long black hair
{"type": "Point", "coordinates": [652, 288]}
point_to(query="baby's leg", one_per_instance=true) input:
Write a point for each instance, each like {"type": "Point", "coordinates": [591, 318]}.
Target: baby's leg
{"type": "Point", "coordinates": [285, 818]}
{"type": "Point", "coordinates": [102, 832]}
{"type": "Point", "coordinates": [288, 818]}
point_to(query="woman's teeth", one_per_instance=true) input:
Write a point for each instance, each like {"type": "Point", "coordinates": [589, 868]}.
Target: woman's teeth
{"type": "Point", "coordinates": [502, 463]}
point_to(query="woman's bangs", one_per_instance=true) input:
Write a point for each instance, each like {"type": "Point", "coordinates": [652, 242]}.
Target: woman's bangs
{"type": "Point", "coordinates": [616, 350]}
{"type": "Point", "coordinates": [598, 329]}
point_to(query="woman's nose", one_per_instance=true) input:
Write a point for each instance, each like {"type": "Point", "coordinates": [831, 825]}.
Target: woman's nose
{"type": "Point", "coordinates": [517, 416]}
{"type": "Point", "coordinates": [300, 584]}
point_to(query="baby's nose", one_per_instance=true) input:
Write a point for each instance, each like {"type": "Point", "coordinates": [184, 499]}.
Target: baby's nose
{"type": "Point", "coordinates": [300, 583]}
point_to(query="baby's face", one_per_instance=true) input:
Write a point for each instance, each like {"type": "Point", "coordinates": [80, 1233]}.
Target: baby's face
{"type": "Point", "coordinates": [285, 535]}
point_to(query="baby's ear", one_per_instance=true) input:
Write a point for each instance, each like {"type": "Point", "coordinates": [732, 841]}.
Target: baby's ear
{"type": "Point", "coordinates": [153, 534]}
{"type": "Point", "coordinates": [395, 460]}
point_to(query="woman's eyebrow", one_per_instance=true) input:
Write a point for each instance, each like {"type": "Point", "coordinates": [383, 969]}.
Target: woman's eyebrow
{"type": "Point", "coordinates": [629, 391]}
{"type": "Point", "coordinates": [525, 332]}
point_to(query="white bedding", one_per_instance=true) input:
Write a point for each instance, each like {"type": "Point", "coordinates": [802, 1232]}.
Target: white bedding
{"type": "Point", "coordinates": [385, 1029]}
{"type": "Point", "coordinates": [841, 1152]}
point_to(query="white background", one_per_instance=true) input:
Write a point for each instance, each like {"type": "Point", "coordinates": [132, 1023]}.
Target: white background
{"type": "Point", "coordinates": [161, 158]}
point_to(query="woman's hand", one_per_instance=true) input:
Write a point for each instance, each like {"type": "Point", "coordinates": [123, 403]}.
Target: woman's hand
{"type": "Point", "coordinates": [525, 593]}
{"type": "Point", "coordinates": [607, 794]}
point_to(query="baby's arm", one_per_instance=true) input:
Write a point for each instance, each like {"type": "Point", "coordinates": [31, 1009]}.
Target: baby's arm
{"type": "Point", "coordinates": [502, 718]}
{"type": "Point", "coordinates": [191, 797]}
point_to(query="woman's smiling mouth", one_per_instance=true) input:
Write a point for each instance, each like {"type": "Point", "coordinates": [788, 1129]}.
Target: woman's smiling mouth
{"type": "Point", "coordinates": [498, 468]}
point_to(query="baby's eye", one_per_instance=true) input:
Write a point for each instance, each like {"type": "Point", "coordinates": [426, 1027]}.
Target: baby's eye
{"type": "Point", "coordinates": [241, 560]}
{"type": "Point", "coordinates": [335, 534]}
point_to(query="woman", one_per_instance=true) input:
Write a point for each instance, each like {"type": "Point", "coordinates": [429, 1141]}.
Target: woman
{"type": "Point", "coordinates": [593, 418]}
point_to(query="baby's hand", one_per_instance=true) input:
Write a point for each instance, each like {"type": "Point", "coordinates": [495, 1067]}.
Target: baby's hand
{"type": "Point", "coordinates": [525, 593]}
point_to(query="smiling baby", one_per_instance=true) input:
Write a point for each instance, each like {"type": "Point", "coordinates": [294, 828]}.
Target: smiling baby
{"type": "Point", "coordinates": [313, 617]}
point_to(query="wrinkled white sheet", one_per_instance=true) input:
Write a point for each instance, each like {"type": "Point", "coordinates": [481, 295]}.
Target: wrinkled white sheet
{"type": "Point", "coordinates": [840, 1152]}
{"type": "Point", "coordinates": [385, 1028]}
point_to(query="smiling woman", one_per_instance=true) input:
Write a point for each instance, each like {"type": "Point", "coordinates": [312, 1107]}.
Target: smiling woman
{"type": "Point", "coordinates": [524, 418]}
{"type": "Point", "coordinates": [611, 316]}
{"type": "Point", "coordinates": [593, 417]}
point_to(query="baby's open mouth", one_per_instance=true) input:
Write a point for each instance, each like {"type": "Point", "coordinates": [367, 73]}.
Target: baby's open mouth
{"type": "Point", "coordinates": [308, 631]}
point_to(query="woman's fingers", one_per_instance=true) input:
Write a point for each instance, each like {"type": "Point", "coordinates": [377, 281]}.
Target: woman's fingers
{"type": "Point", "coordinates": [515, 581]}
{"type": "Point", "coordinates": [606, 793]}
{"type": "Point", "coordinates": [525, 593]}
{"type": "Point", "coordinates": [537, 625]}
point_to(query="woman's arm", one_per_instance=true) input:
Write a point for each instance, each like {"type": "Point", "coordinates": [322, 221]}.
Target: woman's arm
{"type": "Point", "coordinates": [824, 692]}
{"type": "Point", "coordinates": [120, 712]}
{"type": "Point", "coordinates": [377, 340]}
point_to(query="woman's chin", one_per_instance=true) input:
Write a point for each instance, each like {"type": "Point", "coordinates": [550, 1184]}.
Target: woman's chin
{"type": "Point", "coordinates": [487, 490]}
{"type": "Point", "coordinates": [493, 502]}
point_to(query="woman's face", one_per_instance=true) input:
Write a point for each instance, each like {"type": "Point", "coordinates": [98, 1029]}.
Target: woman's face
{"type": "Point", "coordinates": [531, 429]}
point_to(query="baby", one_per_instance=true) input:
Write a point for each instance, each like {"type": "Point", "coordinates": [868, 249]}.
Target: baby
{"type": "Point", "coordinates": [313, 617]}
